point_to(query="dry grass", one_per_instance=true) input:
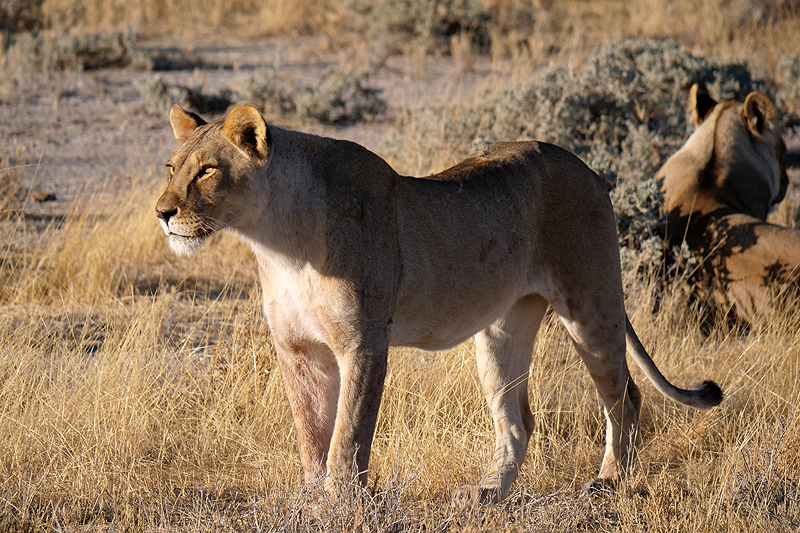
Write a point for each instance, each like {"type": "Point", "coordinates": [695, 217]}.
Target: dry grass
{"type": "Point", "coordinates": [139, 392]}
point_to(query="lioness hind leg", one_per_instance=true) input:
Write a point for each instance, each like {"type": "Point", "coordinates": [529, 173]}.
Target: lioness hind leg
{"type": "Point", "coordinates": [504, 352]}
{"type": "Point", "coordinates": [602, 348]}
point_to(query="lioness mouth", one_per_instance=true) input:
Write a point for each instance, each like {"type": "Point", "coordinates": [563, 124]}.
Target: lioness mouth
{"type": "Point", "coordinates": [190, 238]}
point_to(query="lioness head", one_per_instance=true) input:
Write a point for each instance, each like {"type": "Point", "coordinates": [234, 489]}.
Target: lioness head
{"type": "Point", "coordinates": [209, 174]}
{"type": "Point", "coordinates": [735, 161]}
{"type": "Point", "coordinates": [747, 143]}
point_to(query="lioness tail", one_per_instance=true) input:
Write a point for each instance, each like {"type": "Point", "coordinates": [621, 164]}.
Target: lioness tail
{"type": "Point", "coordinates": [706, 396]}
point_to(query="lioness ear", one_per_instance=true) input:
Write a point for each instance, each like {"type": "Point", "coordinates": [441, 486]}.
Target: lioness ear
{"type": "Point", "coordinates": [700, 103]}
{"type": "Point", "coordinates": [183, 122]}
{"type": "Point", "coordinates": [246, 129]}
{"type": "Point", "coordinates": [759, 113]}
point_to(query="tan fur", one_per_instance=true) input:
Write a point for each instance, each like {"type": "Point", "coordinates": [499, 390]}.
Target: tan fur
{"type": "Point", "coordinates": [354, 258]}
{"type": "Point", "coordinates": [718, 190]}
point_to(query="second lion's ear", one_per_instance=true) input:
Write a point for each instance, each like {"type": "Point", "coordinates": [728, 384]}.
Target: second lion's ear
{"type": "Point", "coordinates": [246, 129]}
{"type": "Point", "coordinates": [183, 122]}
{"type": "Point", "coordinates": [701, 103]}
{"type": "Point", "coordinates": [759, 113]}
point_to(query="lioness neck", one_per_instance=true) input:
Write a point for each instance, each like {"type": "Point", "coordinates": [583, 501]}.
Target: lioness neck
{"type": "Point", "coordinates": [285, 220]}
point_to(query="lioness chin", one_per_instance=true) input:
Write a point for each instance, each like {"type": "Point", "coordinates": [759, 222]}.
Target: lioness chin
{"type": "Point", "coordinates": [354, 258]}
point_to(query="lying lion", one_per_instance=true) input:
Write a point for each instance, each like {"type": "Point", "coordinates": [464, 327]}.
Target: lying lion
{"type": "Point", "coordinates": [718, 190]}
{"type": "Point", "coordinates": [354, 258]}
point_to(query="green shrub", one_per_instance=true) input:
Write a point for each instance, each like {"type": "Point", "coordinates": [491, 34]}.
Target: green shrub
{"type": "Point", "coordinates": [789, 92]}
{"type": "Point", "coordinates": [432, 22]}
{"type": "Point", "coordinates": [265, 90]}
{"type": "Point", "coordinates": [20, 15]}
{"type": "Point", "coordinates": [161, 96]}
{"type": "Point", "coordinates": [338, 98]}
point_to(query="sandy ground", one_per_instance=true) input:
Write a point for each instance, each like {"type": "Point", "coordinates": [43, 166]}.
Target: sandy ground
{"type": "Point", "coordinates": [79, 133]}
{"type": "Point", "coordinates": [72, 132]}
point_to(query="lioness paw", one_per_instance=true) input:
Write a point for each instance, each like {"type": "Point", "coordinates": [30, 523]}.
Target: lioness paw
{"type": "Point", "coordinates": [599, 486]}
{"type": "Point", "coordinates": [470, 496]}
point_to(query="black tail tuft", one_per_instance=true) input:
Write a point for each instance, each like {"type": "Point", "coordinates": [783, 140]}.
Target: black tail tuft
{"type": "Point", "coordinates": [710, 393]}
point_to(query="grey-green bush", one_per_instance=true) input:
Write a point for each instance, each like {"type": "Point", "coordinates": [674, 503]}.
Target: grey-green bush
{"type": "Point", "coordinates": [338, 98]}
{"type": "Point", "coordinates": [623, 112]}
{"type": "Point", "coordinates": [44, 51]}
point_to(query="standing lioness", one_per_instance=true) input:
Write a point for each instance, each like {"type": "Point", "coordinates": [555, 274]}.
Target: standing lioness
{"type": "Point", "coordinates": [354, 258]}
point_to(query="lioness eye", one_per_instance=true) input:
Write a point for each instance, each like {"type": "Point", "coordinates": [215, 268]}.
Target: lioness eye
{"type": "Point", "coordinates": [171, 170]}
{"type": "Point", "coordinates": [206, 171]}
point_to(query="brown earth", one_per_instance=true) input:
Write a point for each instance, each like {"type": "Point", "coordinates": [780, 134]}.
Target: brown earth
{"type": "Point", "coordinates": [78, 133]}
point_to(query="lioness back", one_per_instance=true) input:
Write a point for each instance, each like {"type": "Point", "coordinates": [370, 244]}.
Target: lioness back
{"type": "Point", "coordinates": [500, 222]}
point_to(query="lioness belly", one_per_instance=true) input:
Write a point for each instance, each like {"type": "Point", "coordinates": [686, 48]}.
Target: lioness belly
{"type": "Point", "coordinates": [440, 331]}
{"type": "Point", "coordinates": [440, 315]}
{"type": "Point", "coordinates": [468, 252]}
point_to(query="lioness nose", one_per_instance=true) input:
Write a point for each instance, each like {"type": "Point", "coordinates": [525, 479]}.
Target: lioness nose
{"type": "Point", "coordinates": [165, 214]}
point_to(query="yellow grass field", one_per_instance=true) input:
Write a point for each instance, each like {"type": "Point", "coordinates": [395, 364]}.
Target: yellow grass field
{"type": "Point", "coordinates": [140, 391]}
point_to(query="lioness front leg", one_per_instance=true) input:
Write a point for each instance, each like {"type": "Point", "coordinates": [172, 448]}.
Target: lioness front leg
{"type": "Point", "coordinates": [311, 380]}
{"type": "Point", "coordinates": [363, 371]}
